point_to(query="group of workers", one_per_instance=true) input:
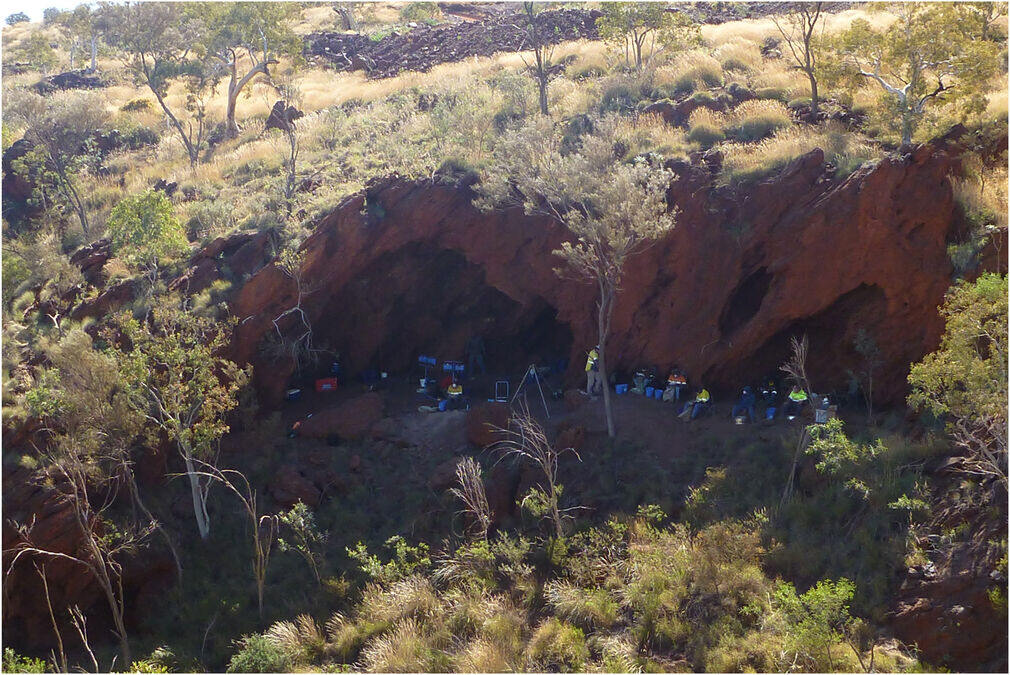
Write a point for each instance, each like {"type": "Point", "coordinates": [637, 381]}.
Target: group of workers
{"type": "Point", "coordinates": [676, 384]}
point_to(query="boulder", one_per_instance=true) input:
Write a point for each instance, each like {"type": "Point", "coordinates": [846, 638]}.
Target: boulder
{"type": "Point", "coordinates": [571, 436]}
{"type": "Point", "coordinates": [443, 476]}
{"type": "Point", "coordinates": [289, 486]}
{"type": "Point", "coordinates": [482, 420]}
{"type": "Point", "coordinates": [351, 419]}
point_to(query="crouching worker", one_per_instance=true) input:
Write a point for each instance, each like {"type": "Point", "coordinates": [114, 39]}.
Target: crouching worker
{"type": "Point", "coordinates": [675, 382]}
{"type": "Point", "coordinates": [698, 405]}
{"type": "Point", "coordinates": [454, 397]}
{"type": "Point", "coordinates": [797, 399]}
{"type": "Point", "coordinates": [745, 405]}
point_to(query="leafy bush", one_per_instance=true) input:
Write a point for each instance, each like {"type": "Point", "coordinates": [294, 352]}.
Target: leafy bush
{"type": "Point", "coordinates": [144, 230]}
{"type": "Point", "coordinates": [755, 120]}
{"type": "Point", "coordinates": [558, 647]}
{"type": "Point", "coordinates": [15, 663]}
{"type": "Point", "coordinates": [817, 621]}
{"type": "Point", "coordinates": [258, 654]}
{"type": "Point", "coordinates": [136, 104]}
{"type": "Point", "coordinates": [420, 11]}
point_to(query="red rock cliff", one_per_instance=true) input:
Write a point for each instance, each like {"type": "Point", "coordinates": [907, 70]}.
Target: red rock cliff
{"type": "Point", "coordinates": [411, 266]}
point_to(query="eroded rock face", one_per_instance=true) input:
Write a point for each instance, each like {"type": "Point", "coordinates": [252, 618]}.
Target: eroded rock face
{"type": "Point", "coordinates": [412, 266]}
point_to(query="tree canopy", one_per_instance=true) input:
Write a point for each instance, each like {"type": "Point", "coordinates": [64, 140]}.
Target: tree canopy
{"type": "Point", "coordinates": [144, 230]}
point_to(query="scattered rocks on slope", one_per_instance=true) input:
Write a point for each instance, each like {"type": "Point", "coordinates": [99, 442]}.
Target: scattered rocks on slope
{"type": "Point", "coordinates": [73, 79]}
{"type": "Point", "coordinates": [426, 46]}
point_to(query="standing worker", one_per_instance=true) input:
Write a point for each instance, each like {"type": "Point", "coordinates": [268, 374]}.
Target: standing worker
{"type": "Point", "coordinates": [594, 383]}
{"type": "Point", "coordinates": [475, 355]}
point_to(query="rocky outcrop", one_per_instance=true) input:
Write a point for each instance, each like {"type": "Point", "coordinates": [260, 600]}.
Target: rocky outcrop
{"type": "Point", "coordinates": [347, 420]}
{"type": "Point", "coordinates": [409, 267]}
{"type": "Point", "coordinates": [72, 79]}
{"type": "Point", "coordinates": [484, 421]}
{"type": "Point", "coordinates": [423, 46]}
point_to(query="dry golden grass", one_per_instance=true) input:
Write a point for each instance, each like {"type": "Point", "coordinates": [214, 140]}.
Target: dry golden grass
{"type": "Point", "coordinates": [843, 148]}
{"type": "Point", "coordinates": [777, 74]}
{"type": "Point", "coordinates": [316, 18]}
{"type": "Point", "coordinates": [756, 30]}
{"type": "Point", "coordinates": [690, 70]}
{"type": "Point", "coordinates": [649, 133]}
{"type": "Point", "coordinates": [997, 106]}
{"type": "Point", "coordinates": [739, 54]}
{"type": "Point", "coordinates": [985, 194]}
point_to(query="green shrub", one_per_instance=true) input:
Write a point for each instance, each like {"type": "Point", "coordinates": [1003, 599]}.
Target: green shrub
{"type": "Point", "coordinates": [705, 127]}
{"type": "Point", "coordinates": [772, 93]}
{"type": "Point", "coordinates": [420, 11]}
{"type": "Point", "coordinates": [136, 104]}
{"type": "Point", "coordinates": [405, 649]}
{"type": "Point", "coordinates": [558, 646]}
{"type": "Point", "coordinates": [703, 98]}
{"type": "Point", "coordinates": [588, 607]}
{"type": "Point", "coordinates": [755, 120]}
{"type": "Point", "coordinates": [257, 654]}
{"type": "Point", "coordinates": [144, 230]}
{"type": "Point", "coordinates": [15, 663]}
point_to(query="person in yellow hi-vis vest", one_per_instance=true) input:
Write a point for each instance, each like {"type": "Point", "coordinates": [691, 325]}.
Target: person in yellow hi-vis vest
{"type": "Point", "coordinates": [594, 382]}
{"type": "Point", "coordinates": [797, 399]}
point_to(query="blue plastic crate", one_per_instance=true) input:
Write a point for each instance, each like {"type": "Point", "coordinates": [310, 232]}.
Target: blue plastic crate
{"type": "Point", "coordinates": [622, 389]}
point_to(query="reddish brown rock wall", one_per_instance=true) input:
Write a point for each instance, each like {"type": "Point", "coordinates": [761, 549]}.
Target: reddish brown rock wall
{"type": "Point", "coordinates": [743, 271]}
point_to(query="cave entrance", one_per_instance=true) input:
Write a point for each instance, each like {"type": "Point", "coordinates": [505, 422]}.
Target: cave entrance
{"type": "Point", "coordinates": [421, 299]}
{"type": "Point", "coordinates": [745, 301]}
{"type": "Point", "coordinates": [832, 334]}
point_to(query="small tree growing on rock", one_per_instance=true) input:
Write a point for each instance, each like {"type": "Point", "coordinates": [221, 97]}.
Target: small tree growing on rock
{"type": "Point", "coordinates": [965, 380]}
{"type": "Point", "coordinates": [541, 68]}
{"type": "Point", "coordinates": [89, 427]}
{"type": "Point", "coordinates": [156, 40]}
{"type": "Point", "coordinates": [613, 208]}
{"type": "Point", "coordinates": [644, 29]}
{"type": "Point", "coordinates": [60, 128]}
{"type": "Point", "coordinates": [932, 52]}
{"type": "Point", "coordinates": [180, 385]}
{"type": "Point", "coordinates": [305, 539]}
{"type": "Point", "coordinates": [798, 28]}
{"type": "Point", "coordinates": [246, 38]}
